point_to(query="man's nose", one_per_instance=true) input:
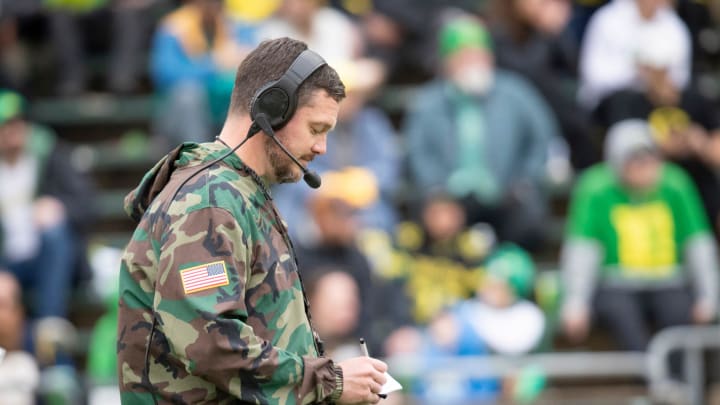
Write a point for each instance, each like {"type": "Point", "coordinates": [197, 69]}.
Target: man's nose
{"type": "Point", "coordinates": [320, 147]}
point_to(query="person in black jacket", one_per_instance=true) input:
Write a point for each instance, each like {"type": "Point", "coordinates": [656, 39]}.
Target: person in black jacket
{"type": "Point", "coordinates": [45, 207]}
{"type": "Point", "coordinates": [534, 39]}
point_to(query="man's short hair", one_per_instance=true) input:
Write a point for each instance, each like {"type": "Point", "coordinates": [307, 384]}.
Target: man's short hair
{"type": "Point", "coordinates": [268, 62]}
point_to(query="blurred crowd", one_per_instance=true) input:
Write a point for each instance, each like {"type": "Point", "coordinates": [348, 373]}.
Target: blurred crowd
{"type": "Point", "coordinates": [484, 145]}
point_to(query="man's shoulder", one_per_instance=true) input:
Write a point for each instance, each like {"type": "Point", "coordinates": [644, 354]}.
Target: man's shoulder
{"type": "Point", "coordinates": [596, 179]}
{"type": "Point", "coordinates": [512, 84]}
{"type": "Point", "coordinates": [220, 186]}
{"type": "Point", "coordinates": [675, 179]}
{"type": "Point", "coordinates": [430, 92]}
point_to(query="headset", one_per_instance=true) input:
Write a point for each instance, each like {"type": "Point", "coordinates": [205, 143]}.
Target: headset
{"type": "Point", "coordinates": [275, 103]}
{"type": "Point", "coordinates": [271, 108]}
{"type": "Point", "coordinates": [278, 100]}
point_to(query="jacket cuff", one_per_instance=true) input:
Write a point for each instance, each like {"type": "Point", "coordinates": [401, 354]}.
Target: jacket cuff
{"type": "Point", "coordinates": [337, 392]}
{"type": "Point", "coordinates": [319, 380]}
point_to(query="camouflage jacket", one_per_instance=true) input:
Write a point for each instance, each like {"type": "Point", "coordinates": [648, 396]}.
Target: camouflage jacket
{"type": "Point", "coordinates": [213, 266]}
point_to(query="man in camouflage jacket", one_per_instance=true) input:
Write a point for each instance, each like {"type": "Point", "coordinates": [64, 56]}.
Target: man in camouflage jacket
{"type": "Point", "coordinates": [212, 308]}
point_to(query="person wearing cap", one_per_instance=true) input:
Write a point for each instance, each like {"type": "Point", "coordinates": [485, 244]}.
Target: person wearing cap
{"type": "Point", "coordinates": [638, 247]}
{"type": "Point", "coordinates": [45, 207]}
{"type": "Point", "coordinates": [331, 239]}
{"type": "Point", "coordinates": [686, 126]}
{"type": "Point", "coordinates": [501, 315]}
{"type": "Point", "coordinates": [499, 319]}
{"type": "Point", "coordinates": [481, 135]}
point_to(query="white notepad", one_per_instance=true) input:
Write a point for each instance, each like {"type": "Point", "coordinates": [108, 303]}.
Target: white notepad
{"type": "Point", "coordinates": [391, 385]}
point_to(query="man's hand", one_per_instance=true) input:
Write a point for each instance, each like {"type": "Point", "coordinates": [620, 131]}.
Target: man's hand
{"type": "Point", "coordinates": [576, 323]}
{"type": "Point", "coordinates": [702, 312]}
{"type": "Point", "coordinates": [48, 212]}
{"type": "Point", "coordinates": [363, 377]}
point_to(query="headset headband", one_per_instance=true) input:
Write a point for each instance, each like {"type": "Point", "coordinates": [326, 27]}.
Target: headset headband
{"type": "Point", "coordinates": [278, 100]}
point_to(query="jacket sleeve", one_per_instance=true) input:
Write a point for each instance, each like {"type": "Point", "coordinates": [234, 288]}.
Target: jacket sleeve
{"type": "Point", "coordinates": [204, 314]}
{"type": "Point", "coordinates": [582, 253]}
{"type": "Point", "coordinates": [422, 150]}
{"type": "Point", "coordinates": [541, 130]}
{"type": "Point", "coordinates": [702, 262]}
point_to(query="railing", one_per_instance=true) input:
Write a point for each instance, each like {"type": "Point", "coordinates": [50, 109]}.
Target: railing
{"type": "Point", "coordinates": [653, 366]}
{"type": "Point", "coordinates": [581, 365]}
{"type": "Point", "coordinates": [692, 342]}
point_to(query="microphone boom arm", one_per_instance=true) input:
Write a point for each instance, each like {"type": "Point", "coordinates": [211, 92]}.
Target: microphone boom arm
{"type": "Point", "coordinates": [311, 178]}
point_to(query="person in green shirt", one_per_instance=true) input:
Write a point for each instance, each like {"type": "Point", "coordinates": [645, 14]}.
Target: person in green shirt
{"type": "Point", "coordinates": [638, 250]}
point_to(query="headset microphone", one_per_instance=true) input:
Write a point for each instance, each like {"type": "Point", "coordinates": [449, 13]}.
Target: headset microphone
{"type": "Point", "coordinates": [311, 178]}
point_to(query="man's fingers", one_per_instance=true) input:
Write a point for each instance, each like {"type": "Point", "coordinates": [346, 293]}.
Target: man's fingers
{"type": "Point", "coordinates": [379, 365]}
{"type": "Point", "coordinates": [378, 377]}
{"type": "Point", "coordinates": [373, 398]}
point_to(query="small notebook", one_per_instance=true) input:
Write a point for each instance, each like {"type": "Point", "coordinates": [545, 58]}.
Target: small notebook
{"type": "Point", "coordinates": [391, 385]}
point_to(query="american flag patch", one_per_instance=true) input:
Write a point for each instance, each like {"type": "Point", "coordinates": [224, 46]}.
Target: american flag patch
{"type": "Point", "coordinates": [204, 277]}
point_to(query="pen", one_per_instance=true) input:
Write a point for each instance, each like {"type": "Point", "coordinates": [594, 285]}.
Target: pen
{"type": "Point", "coordinates": [363, 348]}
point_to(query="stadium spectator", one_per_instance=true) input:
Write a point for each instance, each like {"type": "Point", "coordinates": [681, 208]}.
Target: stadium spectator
{"type": "Point", "coordinates": [638, 251]}
{"type": "Point", "coordinates": [363, 141]}
{"type": "Point", "coordinates": [129, 27]}
{"type": "Point", "coordinates": [533, 39]}
{"type": "Point", "coordinates": [331, 242]}
{"type": "Point", "coordinates": [613, 37]}
{"type": "Point", "coordinates": [195, 52]}
{"type": "Point", "coordinates": [46, 207]}
{"type": "Point", "coordinates": [334, 296]}
{"type": "Point", "coordinates": [686, 126]}
{"type": "Point", "coordinates": [19, 372]}
{"type": "Point", "coordinates": [326, 30]}
{"type": "Point", "coordinates": [14, 64]}
{"type": "Point", "coordinates": [481, 135]}
{"type": "Point", "coordinates": [498, 320]}
{"type": "Point", "coordinates": [437, 259]}
{"type": "Point", "coordinates": [400, 34]}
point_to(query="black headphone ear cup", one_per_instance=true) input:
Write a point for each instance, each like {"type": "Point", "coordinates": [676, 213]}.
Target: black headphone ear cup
{"type": "Point", "coordinates": [274, 102]}
{"type": "Point", "coordinates": [278, 100]}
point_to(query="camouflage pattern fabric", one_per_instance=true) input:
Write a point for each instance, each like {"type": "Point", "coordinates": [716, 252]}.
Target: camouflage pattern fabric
{"type": "Point", "coordinates": [214, 267]}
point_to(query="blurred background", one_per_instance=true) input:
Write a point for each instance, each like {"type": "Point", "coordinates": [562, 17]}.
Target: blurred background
{"type": "Point", "coordinates": [521, 203]}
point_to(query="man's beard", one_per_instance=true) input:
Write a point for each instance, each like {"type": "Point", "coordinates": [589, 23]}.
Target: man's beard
{"type": "Point", "coordinates": [281, 164]}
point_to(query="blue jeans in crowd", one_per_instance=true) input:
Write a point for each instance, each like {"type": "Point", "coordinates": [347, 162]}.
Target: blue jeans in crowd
{"type": "Point", "coordinates": [46, 278]}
